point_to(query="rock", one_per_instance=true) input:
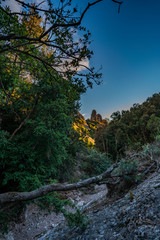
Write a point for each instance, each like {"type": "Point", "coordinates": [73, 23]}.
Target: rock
{"type": "Point", "coordinates": [124, 219]}
{"type": "Point", "coordinates": [9, 236]}
{"type": "Point", "coordinates": [99, 188]}
{"type": "Point", "coordinates": [99, 117]}
{"type": "Point", "coordinates": [80, 204]}
{"type": "Point", "coordinates": [35, 223]}
{"type": "Point", "coordinates": [94, 115]}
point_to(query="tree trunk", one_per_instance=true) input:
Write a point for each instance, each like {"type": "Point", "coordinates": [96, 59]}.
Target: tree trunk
{"type": "Point", "coordinates": [13, 197]}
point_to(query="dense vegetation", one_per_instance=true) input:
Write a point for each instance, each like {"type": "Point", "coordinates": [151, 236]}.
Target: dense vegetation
{"type": "Point", "coordinates": [130, 129]}
{"type": "Point", "coordinates": [42, 75]}
{"type": "Point", "coordinates": [43, 137]}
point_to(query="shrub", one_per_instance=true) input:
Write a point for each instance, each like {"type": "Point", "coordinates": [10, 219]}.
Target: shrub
{"type": "Point", "coordinates": [128, 168]}
{"type": "Point", "coordinates": [94, 163]}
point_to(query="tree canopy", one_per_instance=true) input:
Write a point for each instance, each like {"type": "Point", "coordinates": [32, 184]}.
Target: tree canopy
{"type": "Point", "coordinates": [44, 56]}
{"type": "Point", "coordinates": [52, 35]}
{"type": "Point", "coordinates": [44, 69]}
{"type": "Point", "coordinates": [130, 129]}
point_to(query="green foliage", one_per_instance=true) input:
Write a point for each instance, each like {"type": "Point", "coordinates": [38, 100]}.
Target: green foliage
{"type": "Point", "coordinates": [56, 200]}
{"type": "Point", "coordinates": [11, 214]}
{"type": "Point", "coordinates": [40, 86]}
{"type": "Point", "coordinates": [76, 219]}
{"type": "Point", "coordinates": [41, 112]}
{"type": "Point", "coordinates": [128, 169]}
{"type": "Point", "coordinates": [50, 201]}
{"type": "Point", "coordinates": [53, 200]}
{"type": "Point", "coordinates": [93, 162]}
{"type": "Point", "coordinates": [41, 149]}
{"type": "Point", "coordinates": [95, 126]}
{"type": "Point", "coordinates": [130, 129]}
{"type": "Point", "coordinates": [38, 102]}
{"type": "Point", "coordinates": [151, 151]}
{"type": "Point", "coordinates": [63, 50]}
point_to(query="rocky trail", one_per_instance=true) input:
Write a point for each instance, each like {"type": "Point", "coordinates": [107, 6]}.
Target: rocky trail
{"type": "Point", "coordinates": [134, 216]}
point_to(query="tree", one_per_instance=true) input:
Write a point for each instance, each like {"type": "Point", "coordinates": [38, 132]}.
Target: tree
{"type": "Point", "coordinates": [40, 85]}
{"type": "Point", "coordinates": [131, 128]}
{"type": "Point", "coordinates": [59, 27]}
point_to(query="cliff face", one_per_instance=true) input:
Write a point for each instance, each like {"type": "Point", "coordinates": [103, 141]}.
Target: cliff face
{"type": "Point", "coordinates": [87, 128]}
{"type": "Point", "coordinates": [82, 128]}
{"type": "Point", "coordinates": [95, 116]}
{"type": "Point", "coordinates": [99, 117]}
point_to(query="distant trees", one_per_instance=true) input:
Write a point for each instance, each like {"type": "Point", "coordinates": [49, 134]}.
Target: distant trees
{"type": "Point", "coordinates": [131, 128]}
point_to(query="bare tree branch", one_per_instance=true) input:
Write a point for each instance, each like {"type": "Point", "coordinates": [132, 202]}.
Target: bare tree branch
{"type": "Point", "coordinates": [70, 24]}
{"type": "Point", "coordinates": [119, 2]}
{"type": "Point", "coordinates": [34, 56]}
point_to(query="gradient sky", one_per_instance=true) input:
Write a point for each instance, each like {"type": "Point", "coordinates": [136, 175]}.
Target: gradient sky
{"type": "Point", "coordinates": [127, 45]}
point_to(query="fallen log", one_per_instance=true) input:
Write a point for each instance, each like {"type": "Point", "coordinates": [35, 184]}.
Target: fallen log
{"type": "Point", "coordinates": [12, 197]}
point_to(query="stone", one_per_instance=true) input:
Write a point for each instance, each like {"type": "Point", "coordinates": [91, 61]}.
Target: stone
{"type": "Point", "coordinates": [94, 115]}
{"type": "Point", "coordinates": [99, 117]}
{"type": "Point", "coordinates": [123, 219]}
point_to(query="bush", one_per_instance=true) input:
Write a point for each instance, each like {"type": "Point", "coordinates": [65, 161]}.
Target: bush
{"type": "Point", "coordinates": [94, 163]}
{"type": "Point", "coordinates": [128, 169]}
{"type": "Point", "coordinates": [76, 219]}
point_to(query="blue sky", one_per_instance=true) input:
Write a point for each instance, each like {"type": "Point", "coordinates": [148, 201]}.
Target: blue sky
{"type": "Point", "coordinates": [127, 45]}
